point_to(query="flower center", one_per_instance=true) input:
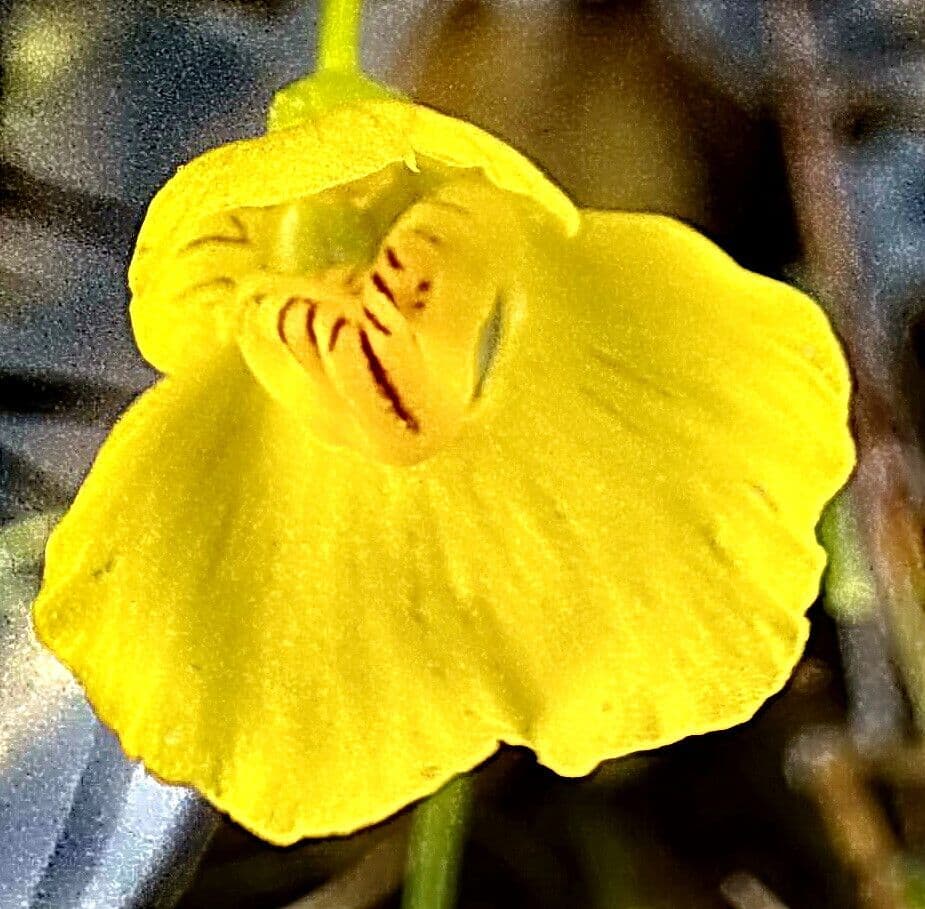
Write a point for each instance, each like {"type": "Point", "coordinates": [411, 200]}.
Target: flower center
{"type": "Point", "coordinates": [385, 340]}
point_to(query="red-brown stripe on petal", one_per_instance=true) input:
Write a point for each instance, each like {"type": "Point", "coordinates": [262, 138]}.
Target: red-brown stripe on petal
{"type": "Point", "coordinates": [384, 384]}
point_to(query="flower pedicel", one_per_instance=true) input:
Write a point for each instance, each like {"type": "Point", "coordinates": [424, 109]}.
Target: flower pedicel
{"type": "Point", "coordinates": [438, 461]}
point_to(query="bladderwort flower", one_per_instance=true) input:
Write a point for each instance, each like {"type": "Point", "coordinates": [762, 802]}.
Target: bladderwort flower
{"type": "Point", "coordinates": [438, 461]}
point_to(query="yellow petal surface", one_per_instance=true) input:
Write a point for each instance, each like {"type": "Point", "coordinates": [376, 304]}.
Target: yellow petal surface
{"type": "Point", "coordinates": [346, 145]}
{"type": "Point", "coordinates": [617, 551]}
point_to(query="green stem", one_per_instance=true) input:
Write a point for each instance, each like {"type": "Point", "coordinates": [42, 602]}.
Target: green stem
{"type": "Point", "coordinates": [436, 845]}
{"type": "Point", "coordinates": [339, 35]}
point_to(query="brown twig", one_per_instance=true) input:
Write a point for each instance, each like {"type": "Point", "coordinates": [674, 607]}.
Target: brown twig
{"type": "Point", "coordinates": [829, 771]}
{"type": "Point", "coordinates": [886, 490]}
{"type": "Point", "coordinates": [743, 891]}
{"type": "Point", "coordinates": [376, 875]}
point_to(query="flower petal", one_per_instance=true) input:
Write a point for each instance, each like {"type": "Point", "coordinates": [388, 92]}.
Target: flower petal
{"type": "Point", "coordinates": [347, 144]}
{"type": "Point", "coordinates": [671, 434]}
{"type": "Point", "coordinates": [617, 550]}
{"type": "Point", "coordinates": [261, 616]}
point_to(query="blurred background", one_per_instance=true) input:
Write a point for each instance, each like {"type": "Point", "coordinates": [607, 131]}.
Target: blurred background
{"type": "Point", "coordinates": [792, 133]}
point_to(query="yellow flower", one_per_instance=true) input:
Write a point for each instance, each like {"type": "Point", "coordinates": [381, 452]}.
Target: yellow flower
{"type": "Point", "coordinates": [439, 462]}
